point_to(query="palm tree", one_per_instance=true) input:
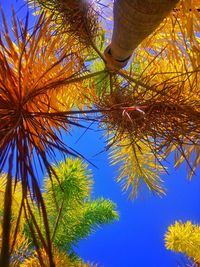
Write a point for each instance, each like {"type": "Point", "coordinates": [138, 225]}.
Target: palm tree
{"type": "Point", "coordinates": [33, 104]}
{"type": "Point", "coordinates": [72, 215]}
{"type": "Point", "coordinates": [152, 106]}
{"type": "Point", "coordinates": [153, 103]}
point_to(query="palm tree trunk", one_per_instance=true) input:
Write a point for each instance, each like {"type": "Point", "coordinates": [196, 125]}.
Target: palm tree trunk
{"type": "Point", "coordinates": [134, 20]}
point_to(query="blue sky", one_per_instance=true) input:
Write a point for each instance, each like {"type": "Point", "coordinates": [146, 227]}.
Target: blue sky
{"type": "Point", "coordinates": [137, 239]}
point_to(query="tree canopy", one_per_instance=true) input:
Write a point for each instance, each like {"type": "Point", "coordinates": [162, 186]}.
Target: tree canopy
{"type": "Point", "coordinates": [56, 75]}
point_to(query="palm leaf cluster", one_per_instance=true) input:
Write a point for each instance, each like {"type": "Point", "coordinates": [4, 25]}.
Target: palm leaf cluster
{"type": "Point", "coordinates": [149, 110]}
{"type": "Point", "coordinates": [137, 167]}
{"type": "Point", "coordinates": [79, 19]}
{"type": "Point", "coordinates": [79, 214]}
{"type": "Point", "coordinates": [156, 100]}
{"type": "Point", "coordinates": [33, 104]}
{"type": "Point", "coordinates": [72, 216]}
{"type": "Point", "coordinates": [184, 238]}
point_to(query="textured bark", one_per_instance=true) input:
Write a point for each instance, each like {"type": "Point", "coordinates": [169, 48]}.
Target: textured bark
{"type": "Point", "coordinates": [134, 20]}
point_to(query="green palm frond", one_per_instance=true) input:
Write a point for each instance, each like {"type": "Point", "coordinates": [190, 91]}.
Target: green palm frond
{"type": "Point", "coordinates": [72, 215]}
{"type": "Point", "coordinates": [72, 183]}
{"type": "Point", "coordinates": [69, 193]}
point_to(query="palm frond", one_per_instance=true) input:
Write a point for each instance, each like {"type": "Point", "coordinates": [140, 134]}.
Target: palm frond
{"type": "Point", "coordinates": [32, 71]}
{"type": "Point", "coordinates": [60, 259]}
{"type": "Point", "coordinates": [74, 215]}
{"type": "Point", "coordinates": [138, 167]}
{"type": "Point", "coordinates": [156, 100]}
{"type": "Point", "coordinates": [76, 18]}
{"type": "Point", "coordinates": [185, 238]}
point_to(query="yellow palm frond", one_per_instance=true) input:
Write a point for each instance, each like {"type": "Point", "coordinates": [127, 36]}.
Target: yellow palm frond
{"type": "Point", "coordinates": [16, 200]}
{"type": "Point", "coordinates": [21, 247]}
{"type": "Point", "coordinates": [185, 238]}
{"type": "Point", "coordinates": [138, 167]}
{"type": "Point", "coordinates": [60, 259]}
{"type": "Point", "coordinates": [170, 62]}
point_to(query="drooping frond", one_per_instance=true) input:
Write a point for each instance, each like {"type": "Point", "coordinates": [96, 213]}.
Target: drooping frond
{"type": "Point", "coordinates": [185, 238]}
{"type": "Point", "coordinates": [138, 167]}
{"type": "Point", "coordinates": [192, 154]}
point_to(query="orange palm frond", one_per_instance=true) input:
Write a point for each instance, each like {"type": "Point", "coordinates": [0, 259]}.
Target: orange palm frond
{"type": "Point", "coordinates": [33, 72]}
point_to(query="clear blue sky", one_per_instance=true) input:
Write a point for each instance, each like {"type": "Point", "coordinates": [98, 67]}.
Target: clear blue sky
{"type": "Point", "coordinates": [138, 238]}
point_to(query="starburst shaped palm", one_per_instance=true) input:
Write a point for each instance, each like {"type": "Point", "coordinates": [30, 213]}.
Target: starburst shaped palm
{"type": "Point", "coordinates": [33, 101]}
